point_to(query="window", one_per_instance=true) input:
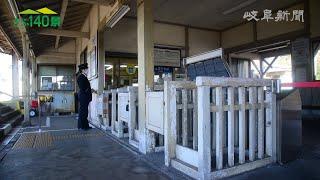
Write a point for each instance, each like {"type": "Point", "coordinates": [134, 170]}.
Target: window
{"type": "Point", "coordinates": [316, 60]}
{"type": "Point", "coordinates": [56, 78]}
{"type": "Point", "coordinates": [277, 67]}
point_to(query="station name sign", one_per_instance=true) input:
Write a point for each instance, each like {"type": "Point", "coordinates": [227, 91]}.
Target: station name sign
{"type": "Point", "coordinates": [43, 18]}
{"type": "Point", "coordinates": [280, 16]}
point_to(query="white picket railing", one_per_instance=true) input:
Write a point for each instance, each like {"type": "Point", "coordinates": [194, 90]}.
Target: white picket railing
{"type": "Point", "coordinates": [224, 112]}
{"type": "Point", "coordinates": [133, 123]}
{"type": "Point", "coordinates": [107, 107]}
{"type": "Point", "coordinates": [120, 107]}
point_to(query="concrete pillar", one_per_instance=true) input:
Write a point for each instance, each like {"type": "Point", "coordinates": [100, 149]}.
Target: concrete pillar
{"type": "Point", "coordinates": [15, 75]}
{"type": "Point", "coordinates": [25, 82]}
{"type": "Point", "coordinates": [146, 65]}
{"type": "Point", "coordinates": [34, 75]}
{"type": "Point", "coordinates": [101, 61]}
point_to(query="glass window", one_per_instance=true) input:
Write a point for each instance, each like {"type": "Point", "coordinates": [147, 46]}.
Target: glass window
{"type": "Point", "coordinates": [317, 64]}
{"type": "Point", "coordinates": [56, 78]}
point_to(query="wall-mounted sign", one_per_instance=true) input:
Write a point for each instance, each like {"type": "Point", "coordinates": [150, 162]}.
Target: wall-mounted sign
{"type": "Point", "coordinates": [161, 69]}
{"type": "Point", "coordinates": [43, 17]}
{"type": "Point", "coordinates": [131, 69]}
{"type": "Point", "coordinates": [167, 57]}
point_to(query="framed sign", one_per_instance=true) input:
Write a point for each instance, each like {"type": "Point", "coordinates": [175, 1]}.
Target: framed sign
{"type": "Point", "coordinates": [167, 57]}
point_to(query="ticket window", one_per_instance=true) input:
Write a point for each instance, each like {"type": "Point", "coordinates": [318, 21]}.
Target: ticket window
{"type": "Point", "coordinates": [120, 72]}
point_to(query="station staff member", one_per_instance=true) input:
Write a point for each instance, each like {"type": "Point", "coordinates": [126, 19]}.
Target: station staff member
{"type": "Point", "coordinates": [84, 96]}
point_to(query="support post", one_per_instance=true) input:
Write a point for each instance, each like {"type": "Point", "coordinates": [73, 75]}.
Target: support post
{"type": "Point", "coordinates": [120, 122]}
{"type": "Point", "coordinates": [195, 119]}
{"type": "Point", "coordinates": [15, 75]}
{"type": "Point", "coordinates": [231, 126]}
{"type": "Point", "coordinates": [132, 113]}
{"type": "Point", "coordinates": [34, 76]}
{"type": "Point", "coordinates": [269, 122]}
{"type": "Point", "coordinates": [113, 110]}
{"type": "Point", "coordinates": [184, 118]}
{"type": "Point", "coordinates": [101, 61]}
{"type": "Point", "coordinates": [170, 122]}
{"type": "Point", "coordinates": [242, 125]}
{"type": "Point", "coordinates": [219, 128]}
{"type": "Point", "coordinates": [252, 123]}
{"type": "Point", "coordinates": [25, 80]}
{"type": "Point", "coordinates": [204, 150]}
{"type": "Point", "coordinates": [146, 65]}
{"type": "Point", "coordinates": [261, 123]}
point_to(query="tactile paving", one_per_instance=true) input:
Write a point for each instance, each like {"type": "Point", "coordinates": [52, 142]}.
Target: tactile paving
{"type": "Point", "coordinates": [47, 139]}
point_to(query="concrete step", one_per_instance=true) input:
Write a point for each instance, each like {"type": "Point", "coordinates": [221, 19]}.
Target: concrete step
{"type": "Point", "coordinates": [4, 109]}
{"type": "Point", "coordinates": [8, 115]}
{"type": "Point", "coordinates": [11, 123]}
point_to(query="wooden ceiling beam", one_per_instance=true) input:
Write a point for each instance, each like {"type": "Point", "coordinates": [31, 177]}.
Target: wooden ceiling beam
{"type": "Point", "coordinates": [65, 33]}
{"type": "Point", "coordinates": [62, 15]}
{"type": "Point", "coordinates": [98, 2]}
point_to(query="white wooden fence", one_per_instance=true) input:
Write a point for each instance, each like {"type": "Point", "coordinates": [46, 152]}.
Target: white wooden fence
{"type": "Point", "coordinates": [107, 107]}
{"type": "Point", "coordinates": [121, 116]}
{"type": "Point", "coordinates": [230, 122]}
{"type": "Point", "coordinates": [120, 108]}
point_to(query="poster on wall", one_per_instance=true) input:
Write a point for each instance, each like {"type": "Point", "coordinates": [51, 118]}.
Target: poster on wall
{"type": "Point", "coordinates": [93, 60]}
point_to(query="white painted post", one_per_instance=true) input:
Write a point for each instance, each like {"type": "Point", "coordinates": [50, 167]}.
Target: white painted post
{"type": "Point", "coordinates": [170, 126]}
{"type": "Point", "coordinates": [204, 150]}
{"type": "Point", "coordinates": [252, 122]}
{"type": "Point", "coordinates": [151, 140]}
{"type": "Point", "coordinates": [132, 112]}
{"type": "Point", "coordinates": [114, 109]}
{"type": "Point", "coordinates": [274, 126]}
{"type": "Point", "coordinates": [195, 119]}
{"type": "Point", "coordinates": [242, 125]}
{"type": "Point", "coordinates": [120, 123]}
{"type": "Point", "coordinates": [219, 128]}
{"type": "Point", "coordinates": [213, 128]}
{"type": "Point", "coordinates": [261, 123]}
{"type": "Point", "coordinates": [145, 63]}
{"type": "Point", "coordinates": [184, 118]}
{"type": "Point", "coordinates": [236, 129]}
{"type": "Point", "coordinates": [107, 109]}
{"type": "Point", "coordinates": [231, 127]}
{"type": "Point", "coordinates": [269, 122]}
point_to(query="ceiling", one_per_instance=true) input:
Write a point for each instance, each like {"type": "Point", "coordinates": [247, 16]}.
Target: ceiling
{"type": "Point", "coordinates": [7, 30]}
{"type": "Point", "coordinates": [208, 13]}
{"type": "Point", "coordinates": [201, 13]}
{"type": "Point", "coordinates": [75, 16]}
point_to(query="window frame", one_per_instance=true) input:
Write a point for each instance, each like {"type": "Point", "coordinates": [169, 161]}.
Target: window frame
{"type": "Point", "coordinates": [56, 65]}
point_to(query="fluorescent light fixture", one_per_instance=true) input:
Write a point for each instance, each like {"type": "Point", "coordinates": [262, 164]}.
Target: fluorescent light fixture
{"type": "Point", "coordinates": [108, 67]}
{"type": "Point", "coordinates": [136, 66]}
{"type": "Point", "coordinates": [123, 66]}
{"type": "Point", "coordinates": [118, 15]}
{"type": "Point", "coordinates": [238, 7]}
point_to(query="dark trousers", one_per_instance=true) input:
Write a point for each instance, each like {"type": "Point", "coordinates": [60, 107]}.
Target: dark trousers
{"type": "Point", "coordinates": [83, 115]}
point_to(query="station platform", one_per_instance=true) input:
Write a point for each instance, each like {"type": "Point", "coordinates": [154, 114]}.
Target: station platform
{"type": "Point", "coordinates": [63, 152]}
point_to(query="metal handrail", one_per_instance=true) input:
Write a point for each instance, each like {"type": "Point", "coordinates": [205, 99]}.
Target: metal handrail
{"type": "Point", "coordinates": [1, 92]}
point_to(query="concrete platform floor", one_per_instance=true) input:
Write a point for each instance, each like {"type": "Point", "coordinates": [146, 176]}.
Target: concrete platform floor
{"type": "Point", "coordinates": [73, 154]}
{"type": "Point", "coordinates": [66, 153]}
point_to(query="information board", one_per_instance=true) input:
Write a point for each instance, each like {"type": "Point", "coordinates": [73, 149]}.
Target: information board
{"type": "Point", "coordinates": [167, 57]}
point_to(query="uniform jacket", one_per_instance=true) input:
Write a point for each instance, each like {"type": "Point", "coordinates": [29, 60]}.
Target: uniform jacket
{"type": "Point", "coordinates": [85, 94]}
